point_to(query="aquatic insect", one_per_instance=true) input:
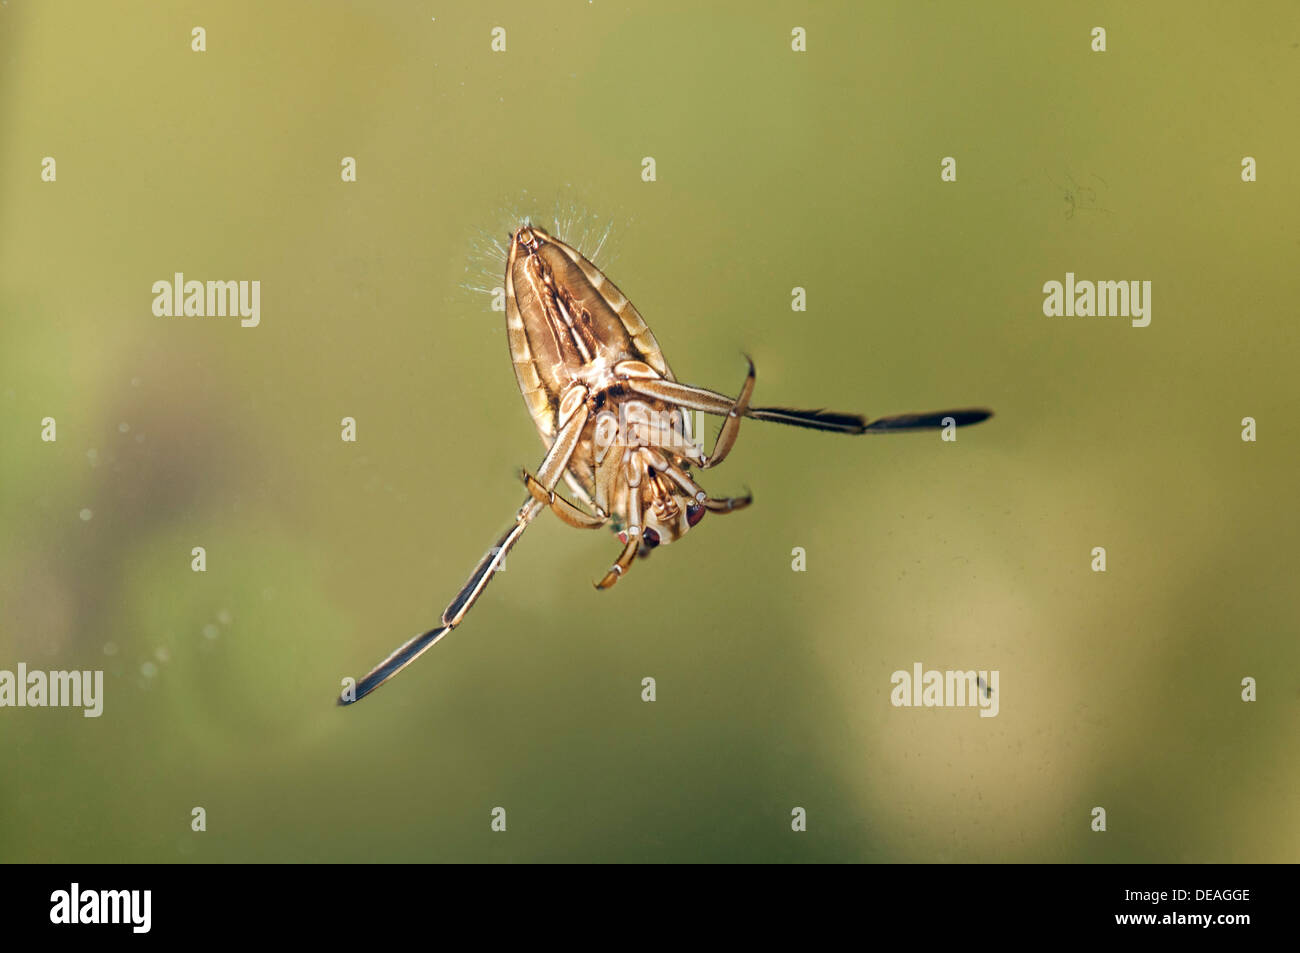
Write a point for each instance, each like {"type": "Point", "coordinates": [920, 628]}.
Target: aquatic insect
{"type": "Point", "coordinates": [615, 423]}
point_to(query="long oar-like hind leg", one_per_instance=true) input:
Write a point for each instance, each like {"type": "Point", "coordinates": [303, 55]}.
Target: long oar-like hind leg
{"type": "Point", "coordinates": [711, 402]}
{"type": "Point", "coordinates": [452, 615]}
{"type": "Point", "coordinates": [852, 423]}
{"type": "Point", "coordinates": [930, 421]}
{"type": "Point", "coordinates": [557, 459]}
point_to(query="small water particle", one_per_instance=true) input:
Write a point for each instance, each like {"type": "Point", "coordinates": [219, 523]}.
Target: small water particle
{"type": "Point", "coordinates": [110, 648]}
{"type": "Point", "coordinates": [86, 514]}
{"type": "Point", "coordinates": [224, 617]}
{"type": "Point", "coordinates": [161, 653]}
{"type": "Point", "coordinates": [148, 670]}
{"type": "Point", "coordinates": [123, 427]}
{"type": "Point", "coordinates": [210, 631]}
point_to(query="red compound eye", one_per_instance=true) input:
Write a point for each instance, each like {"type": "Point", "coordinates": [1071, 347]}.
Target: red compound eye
{"type": "Point", "coordinates": [651, 539]}
{"type": "Point", "coordinates": [694, 513]}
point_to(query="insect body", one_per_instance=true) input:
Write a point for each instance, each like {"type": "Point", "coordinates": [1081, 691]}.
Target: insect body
{"type": "Point", "coordinates": [615, 423]}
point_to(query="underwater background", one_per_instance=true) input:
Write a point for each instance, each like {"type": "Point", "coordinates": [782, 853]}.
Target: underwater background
{"type": "Point", "coordinates": [774, 169]}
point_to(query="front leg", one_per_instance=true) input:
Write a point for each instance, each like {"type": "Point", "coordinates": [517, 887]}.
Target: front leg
{"type": "Point", "coordinates": [624, 561]}
{"type": "Point", "coordinates": [561, 507]}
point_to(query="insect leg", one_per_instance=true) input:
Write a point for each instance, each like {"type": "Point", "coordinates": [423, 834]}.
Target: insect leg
{"type": "Point", "coordinates": [624, 560]}
{"type": "Point", "coordinates": [684, 395]}
{"type": "Point", "coordinates": [452, 615]}
{"type": "Point", "coordinates": [827, 420]}
{"type": "Point", "coordinates": [730, 504]}
{"type": "Point", "coordinates": [662, 464]}
{"type": "Point", "coordinates": [542, 487]}
{"type": "Point", "coordinates": [706, 401]}
{"type": "Point", "coordinates": [562, 507]}
{"type": "Point", "coordinates": [557, 459]}
{"type": "Point", "coordinates": [634, 469]}
{"type": "Point", "coordinates": [709, 402]}
{"type": "Point", "coordinates": [930, 421]}
{"type": "Point", "coordinates": [731, 426]}
{"type": "Point", "coordinates": [580, 494]}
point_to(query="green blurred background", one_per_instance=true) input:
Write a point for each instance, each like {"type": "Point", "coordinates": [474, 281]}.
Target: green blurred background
{"type": "Point", "coordinates": [775, 169]}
